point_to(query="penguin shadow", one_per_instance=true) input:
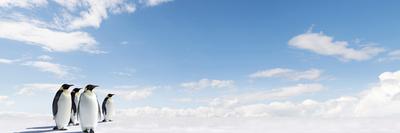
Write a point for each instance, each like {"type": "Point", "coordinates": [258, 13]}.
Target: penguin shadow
{"type": "Point", "coordinates": [42, 129]}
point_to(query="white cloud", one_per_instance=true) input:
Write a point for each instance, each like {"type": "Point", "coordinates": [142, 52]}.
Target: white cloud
{"type": "Point", "coordinates": [32, 89]}
{"type": "Point", "coordinates": [151, 3]}
{"type": "Point", "coordinates": [391, 56]}
{"type": "Point", "coordinates": [6, 100]}
{"type": "Point", "coordinates": [311, 74]}
{"type": "Point", "coordinates": [95, 11]}
{"type": "Point", "coordinates": [124, 43]}
{"type": "Point", "coordinates": [130, 93]}
{"type": "Point", "coordinates": [6, 61]}
{"type": "Point", "coordinates": [206, 83]}
{"type": "Point", "coordinates": [54, 68]}
{"type": "Point", "coordinates": [45, 58]}
{"type": "Point", "coordinates": [46, 38]}
{"type": "Point", "coordinates": [325, 45]}
{"type": "Point", "coordinates": [43, 63]}
{"type": "Point", "coordinates": [183, 100]}
{"type": "Point", "coordinates": [382, 99]}
{"type": "Point", "coordinates": [128, 72]}
{"type": "Point", "coordinates": [22, 3]}
{"type": "Point", "coordinates": [395, 55]}
{"type": "Point", "coordinates": [284, 92]}
{"type": "Point", "coordinates": [3, 98]}
{"type": "Point", "coordinates": [260, 96]}
{"type": "Point", "coordinates": [63, 33]}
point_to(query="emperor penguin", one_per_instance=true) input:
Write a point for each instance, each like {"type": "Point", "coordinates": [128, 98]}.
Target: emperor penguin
{"type": "Point", "coordinates": [108, 108]}
{"type": "Point", "coordinates": [75, 100]}
{"type": "Point", "coordinates": [89, 112]}
{"type": "Point", "coordinates": [62, 107]}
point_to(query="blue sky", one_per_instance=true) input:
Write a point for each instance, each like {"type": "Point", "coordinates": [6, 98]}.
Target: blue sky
{"type": "Point", "coordinates": [184, 53]}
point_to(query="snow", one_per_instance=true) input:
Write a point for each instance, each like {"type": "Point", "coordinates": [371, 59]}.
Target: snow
{"type": "Point", "coordinates": [27, 123]}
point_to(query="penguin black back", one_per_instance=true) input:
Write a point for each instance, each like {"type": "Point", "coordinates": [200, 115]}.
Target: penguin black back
{"type": "Point", "coordinates": [55, 102]}
{"type": "Point", "coordinates": [103, 106]}
{"type": "Point", "coordinates": [73, 93]}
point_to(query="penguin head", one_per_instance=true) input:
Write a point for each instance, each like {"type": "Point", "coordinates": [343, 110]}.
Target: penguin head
{"type": "Point", "coordinates": [110, 95]}
{"type": "Point", "coordinates": [91, 87]}
{"type": "Point", "coordinates": [76, 89]}
{"type": "Point", "coordinates": [66, 86]}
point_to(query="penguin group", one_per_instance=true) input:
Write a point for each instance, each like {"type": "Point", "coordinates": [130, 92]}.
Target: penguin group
{"type": "Point", "coordinates": [75, 108]}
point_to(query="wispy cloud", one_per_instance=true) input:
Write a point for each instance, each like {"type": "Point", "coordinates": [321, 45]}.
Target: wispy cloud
{"type": "Point", "coordinates": [128, 72]}
{"type": "Point", "coordinates": [260, 96]}
{"type": "Point", "coordinates": [207, 83]}
{"type": "Point", "coordinates": [45, 58]}
{"type": "Point", "coordinates": [124, 43]}
{"type": "Point", "coordinates": [130, 93]}
{"type": "Point", "coordinates": [43, 63]}
{"type": "Point", "coordinates": [93, 13]}
{"type": "Point", "coordinates": [325, 45]}
{"type": "Point", "coordinates": [6, 100]}
{"type": "Point", "coordinates": [32, 89]}
{"type": "Point", "coordinates": [54, 68]}
{"type": "Point", "coordinates": [311, 74]}
{"type": "Point", "coordinates": [22, 3]}
{"type": "Point", "coordinates": [7, 61]}
{"type": "Point", "coordinates": [151, 3]}
{"type": "Point", "coordinates": [48, 39]}
{"type": "Point", "coordinates": [391, 56]}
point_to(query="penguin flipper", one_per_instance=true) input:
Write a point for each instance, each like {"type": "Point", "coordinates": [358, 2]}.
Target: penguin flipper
{"type": "Point", "coordinates": [99, 110]}
{"type": "Point", "coordinates": [55, 102]}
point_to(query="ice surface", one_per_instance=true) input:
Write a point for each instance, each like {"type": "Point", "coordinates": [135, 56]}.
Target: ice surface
{"type": "Point", "coordinates": [25, 123]}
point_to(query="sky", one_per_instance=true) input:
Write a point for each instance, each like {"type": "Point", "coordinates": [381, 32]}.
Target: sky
{"type": "Point", "coordinates": [205, 58]}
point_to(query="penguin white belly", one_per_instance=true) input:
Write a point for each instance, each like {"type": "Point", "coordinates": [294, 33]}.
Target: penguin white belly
{"type": "Point", "coordinates": [88, 111]}
{"type": "Point", "coordinates": [64, 110]}
{"type": "Point", "coordinates": [110, 110]}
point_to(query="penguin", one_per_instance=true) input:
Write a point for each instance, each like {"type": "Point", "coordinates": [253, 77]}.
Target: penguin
{"type": "Point", "coordinates": [108, 108]}
{"type": "Point", "coordinates": [62, 107]}
{"type": "Point", "coordinates": [74, 111]}
{"type": "Point", "coordinates": [89, 112]}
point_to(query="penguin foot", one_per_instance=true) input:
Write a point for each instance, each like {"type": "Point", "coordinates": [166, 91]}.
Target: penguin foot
{"type": "Point", "coordinates": [91, 131]}
{"type": "Point", "coordinates": [104, 120]}
{"type": "Point", "coordinates": [110, 120]}
{"type": "Point", "coordinates": [63, 129]}
{"type": "Point", "coordinates": [86, 131]}
{"type": "Point", "coordinates": [55, 128]}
